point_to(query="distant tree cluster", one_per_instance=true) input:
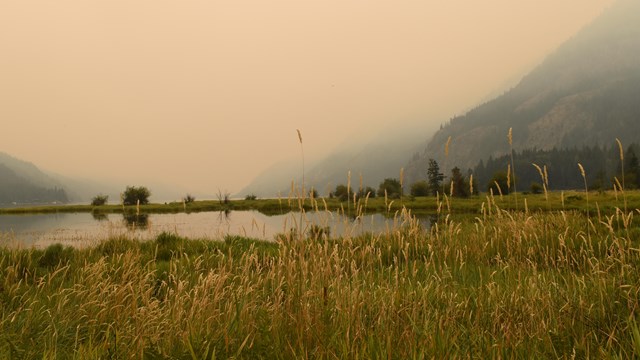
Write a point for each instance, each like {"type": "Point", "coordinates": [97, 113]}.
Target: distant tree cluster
{"type": "Point", "coordinates": [134, 194]}
{"type": "Point", "coordinates": [99, 200]}
{"type": "Point", "coordinates": [420, 188]}
{"type": "Point", "coordinates": [391, 188]}
{"type": "Point", "coordinates": [342, 193]}
{"type": "Point", "coordinates": [602, 165]}
{"type": "Point", "coordinates": [457, 185]}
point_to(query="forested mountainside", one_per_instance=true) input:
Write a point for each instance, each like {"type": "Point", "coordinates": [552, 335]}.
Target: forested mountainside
{"type": "Point", "coordinates": [587, 93]}
{"type": "Point", "coordinates": [23, 183]}
{"type": "Point", "coordinates": [601, 164]}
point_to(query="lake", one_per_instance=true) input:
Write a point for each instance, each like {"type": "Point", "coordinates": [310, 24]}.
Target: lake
{"type": "Point", "coordinates": [85, 229]}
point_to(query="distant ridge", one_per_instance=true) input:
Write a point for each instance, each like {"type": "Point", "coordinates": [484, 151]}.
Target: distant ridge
{"type": "Point", "coordinates": [21, 182]}
{"type": "Point", "coordinates": [586, 93]}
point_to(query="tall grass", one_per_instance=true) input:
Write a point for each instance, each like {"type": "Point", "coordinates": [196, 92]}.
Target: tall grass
{"type": "Point", "coordinates": [495, 284]}
{"type": "Point", "coordinates": [506, 284]}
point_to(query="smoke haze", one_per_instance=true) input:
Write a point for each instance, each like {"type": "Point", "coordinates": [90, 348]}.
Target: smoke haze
{"type": "Point", "coordinates": [205, 95]}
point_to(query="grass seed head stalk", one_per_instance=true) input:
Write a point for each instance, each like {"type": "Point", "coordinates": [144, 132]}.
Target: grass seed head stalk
{"type": "Point", "coordinates": [624, 197]}
{"type": "Point", "coordinates": [499, 189]}
{"type": "Point", "coordinates": [515, 191]}
{"type": "Point", "coordinates": [586, 192]}
{"type": "Point", "coordinates": [401, 183]}
{"type": "Point", "coordinates": [348, 190]}
{"type": "Point", "coordinates": [302, 152]}
{"type": "Point", "coordinates": [544, 182]}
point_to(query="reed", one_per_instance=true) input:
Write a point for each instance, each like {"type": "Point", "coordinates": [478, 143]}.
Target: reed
{"type": "Point", "coordinates": [545, 181]}
{"type": "Point", "coordinates": [586, 192]}
{"type": "Point", "coordinates": [622, 187]}
{"type": "Point", "coordinates": [512, 166]}
{"type": "Point", "coordinates": [302, 154]}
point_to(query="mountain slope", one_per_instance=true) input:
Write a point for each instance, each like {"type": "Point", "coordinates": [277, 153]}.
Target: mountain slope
{"type": "Point", "coordinates": [22, 182]}
{"type": "Point", "coordinates": [374, 160]}
{"type": "Point", "coordinates": [586, 93]}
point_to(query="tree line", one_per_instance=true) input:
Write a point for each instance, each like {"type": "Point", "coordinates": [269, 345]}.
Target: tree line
{"type": "Point", "coordinates": [602, 165]}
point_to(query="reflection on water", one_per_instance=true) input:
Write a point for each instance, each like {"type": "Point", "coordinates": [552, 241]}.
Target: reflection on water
{"type": "Point", "coordinates": [99, 216]}
{"type": "Point", "coordinates": [83, 229]}
{"type": "Point", "coordinates": [136, 221]}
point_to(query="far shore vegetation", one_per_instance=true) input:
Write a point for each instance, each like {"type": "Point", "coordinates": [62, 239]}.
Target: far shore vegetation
{"type": "Point", "coordinates": [605, 201]}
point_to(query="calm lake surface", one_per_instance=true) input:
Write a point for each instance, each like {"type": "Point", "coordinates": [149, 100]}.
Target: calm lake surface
{"type": "Point", "coordinates": [85, 229]}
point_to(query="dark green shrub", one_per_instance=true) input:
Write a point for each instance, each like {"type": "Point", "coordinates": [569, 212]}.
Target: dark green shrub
{"type": "Point", "coordinates": [318, 232]}
{"type": "Point", "coordinates": [99, 200]}
{"type": "Point", "coordinates": [54, 255]}
{"type": "Point", "coordinates": [362, 193]}
{"type": "Point", "coordinates": [536, 188]}
{"type": "Point", "coordinates": [342, 193]}
{"type": "Point", "coordinates": [134, 194]}
{"type": "Point", "coordinates": [420, 188]}
{"type": "Point", "coordinates": [392, 188]}
{"type": "Point", "coordinates": [168, 244]}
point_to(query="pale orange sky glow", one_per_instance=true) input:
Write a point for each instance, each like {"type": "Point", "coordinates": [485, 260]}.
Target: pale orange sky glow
{"type": "Point", "coordinates": [206, 94]}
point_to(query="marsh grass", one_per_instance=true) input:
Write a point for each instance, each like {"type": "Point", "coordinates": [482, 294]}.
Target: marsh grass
{"type": "Point", "coordinates": [502, 284]}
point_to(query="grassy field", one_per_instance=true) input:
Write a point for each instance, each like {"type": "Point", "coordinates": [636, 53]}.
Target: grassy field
{"type": "Point", "coordinates": [500, 284]}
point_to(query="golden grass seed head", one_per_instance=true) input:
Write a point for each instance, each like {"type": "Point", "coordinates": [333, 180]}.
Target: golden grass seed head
{"type": "Point", "coordinates": [620, 148]}
{"type": "Point", "coordinates": [546, 175]}
{"type": "Point", "coordinates": [581, 170]}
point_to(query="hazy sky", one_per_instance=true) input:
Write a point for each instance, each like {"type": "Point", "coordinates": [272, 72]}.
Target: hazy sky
{"type": "Point", "coordinates": [206, 94]}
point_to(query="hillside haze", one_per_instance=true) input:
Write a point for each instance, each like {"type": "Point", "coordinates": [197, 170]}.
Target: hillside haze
{"type": "Point", "coordinates": [21, 182]}
{"type": "Point", "coordinates": [585, 93]}
{"type": "Point", "coordinates": [373, 161]}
